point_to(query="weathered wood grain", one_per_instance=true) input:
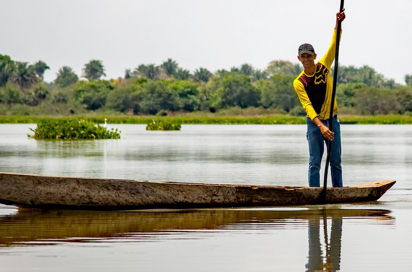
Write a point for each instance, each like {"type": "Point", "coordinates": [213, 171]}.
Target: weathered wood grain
{"type": "Point", "coordinates": [93, 193]}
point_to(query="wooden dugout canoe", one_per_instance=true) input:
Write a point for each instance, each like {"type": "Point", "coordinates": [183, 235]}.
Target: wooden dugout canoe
{"type": "Point", "coordinates": [50, 192]}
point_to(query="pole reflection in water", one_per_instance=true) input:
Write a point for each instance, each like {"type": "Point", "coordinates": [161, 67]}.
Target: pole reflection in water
{"type": "Point", "coordinates": [329, 260]}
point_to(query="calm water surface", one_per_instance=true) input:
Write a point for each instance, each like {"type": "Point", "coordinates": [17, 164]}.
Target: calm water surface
{"type": "Point", "coordinates": [362, 237]}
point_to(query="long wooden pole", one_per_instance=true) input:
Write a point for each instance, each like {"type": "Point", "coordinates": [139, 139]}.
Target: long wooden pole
{"type": "Point", "coordinates": [335, 78]}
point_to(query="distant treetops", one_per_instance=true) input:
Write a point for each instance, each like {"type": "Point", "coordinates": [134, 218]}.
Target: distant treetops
{"type": "Point", "coordinates": [151, 89]}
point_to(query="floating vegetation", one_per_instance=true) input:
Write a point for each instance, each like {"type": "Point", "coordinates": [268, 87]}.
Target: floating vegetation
{"type": "Point", "coordinates": [66, 129]}
{"type": "Point", "coordinates": [163, 124]}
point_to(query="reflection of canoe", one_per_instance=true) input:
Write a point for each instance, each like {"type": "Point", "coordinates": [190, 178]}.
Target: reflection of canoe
{"type": "Point", "coordinates": [70, 192]}
{"type": "Point", "coordinates": [52, 226]}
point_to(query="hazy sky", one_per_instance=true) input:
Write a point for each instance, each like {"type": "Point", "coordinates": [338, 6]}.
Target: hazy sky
{"type": "Point", "coordinates": [214, 34]}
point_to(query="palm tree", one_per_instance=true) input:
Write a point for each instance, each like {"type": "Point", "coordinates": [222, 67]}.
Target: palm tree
{"type": "Point", "coordinates": [246, 69]}
{"type": "Point", "coordinates": [222, 73]}
{"type": "Point", "coordinates": [93, 70]}
{"type": "Point", "coordinates": [149, 71]}
{"type": "Point", "coordinates": [202, 74]}
{"type": "Point", "coordinates": [7, 68]}
{"type": "Point", "coordinates": [40, 67]}
{"type": "Point", "coordinates": [234, 70]}
{"type": "Point", "coordinates": [346, 74]}
{"type": "Point", "coordinates": [25, 75]}
{"type": "Point", "coordinates": [408, 80]}
{"type": "Point", "coordinates": [259, 74]}
{"type": "Point", "coordinates": [389, 83]}
{"type": "Point", "coordinates": [127, 73]}
{"type": "Point", "coordinates": [370, 77]}
{"type": "Point", "coordinates": [170, 67]}
{"type": "Point", "coordinates": [182, 74]}
{"type": "Point", "coordinates": [66, 77]}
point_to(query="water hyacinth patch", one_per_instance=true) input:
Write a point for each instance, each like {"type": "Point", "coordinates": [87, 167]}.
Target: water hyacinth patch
{"type": "Point", "coordinates": [163, 125]}
{"type": "Point", "coordinates": [72, 129]}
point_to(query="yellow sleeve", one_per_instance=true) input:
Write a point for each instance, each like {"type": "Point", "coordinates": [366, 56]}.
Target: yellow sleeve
{"type": "Point", "coordinates": [304, 99]}
{"type": "Point", "coordinates": [329, 57]}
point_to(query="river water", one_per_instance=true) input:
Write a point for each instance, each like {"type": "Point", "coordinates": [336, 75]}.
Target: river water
{"type": "Point", "coordinates": [358, 237]}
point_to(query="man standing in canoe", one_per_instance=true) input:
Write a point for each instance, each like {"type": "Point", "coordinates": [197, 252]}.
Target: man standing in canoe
{"type": "Point", "coordinates": [314, 89]}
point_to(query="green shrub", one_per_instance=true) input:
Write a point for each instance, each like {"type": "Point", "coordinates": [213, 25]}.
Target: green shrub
{"type": "Point", "coordinates": [11, 94]}
{"type": "Point", "coordinates": [59, 97]}
{"type": "Point", "coordinates": [123, 99]}
{"type": "Point", "coordinates": [237, 90]}
{"type": "Point", "coordinates": [163, 125]}
{"type": "Point", "coordinates": [92, 94]}
{"type": "Point", "coordinates": [72, 129]}
{"type": "Point", "coordinates": [278, 93]}
{"type": "Point", "coordinates": [156, 96]}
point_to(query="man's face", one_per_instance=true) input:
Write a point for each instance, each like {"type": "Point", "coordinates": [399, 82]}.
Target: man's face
{"type": "Point", "coordinates": [307, 60]}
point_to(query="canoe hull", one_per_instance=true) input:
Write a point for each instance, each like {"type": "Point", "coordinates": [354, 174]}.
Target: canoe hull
{"type": "Point", "coordinates": [89, 193]}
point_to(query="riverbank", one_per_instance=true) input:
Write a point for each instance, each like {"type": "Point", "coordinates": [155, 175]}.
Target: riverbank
{"type": "Point", "coordinates": [266, 120]}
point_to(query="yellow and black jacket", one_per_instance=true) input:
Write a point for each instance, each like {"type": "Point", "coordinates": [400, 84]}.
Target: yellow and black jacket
{"type": "Point", "coordinates": [315, 91]}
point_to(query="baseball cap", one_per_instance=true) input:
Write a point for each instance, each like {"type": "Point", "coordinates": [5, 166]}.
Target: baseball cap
{"type": "Point", "coordinates": [306, 48]}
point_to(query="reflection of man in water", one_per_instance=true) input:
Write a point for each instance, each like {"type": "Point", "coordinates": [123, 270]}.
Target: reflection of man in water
{"type": "Point", "coordinates": [330, 260]}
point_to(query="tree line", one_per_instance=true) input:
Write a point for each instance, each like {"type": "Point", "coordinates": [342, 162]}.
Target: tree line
{"type": "Point", "coordinates": [159, 89]}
